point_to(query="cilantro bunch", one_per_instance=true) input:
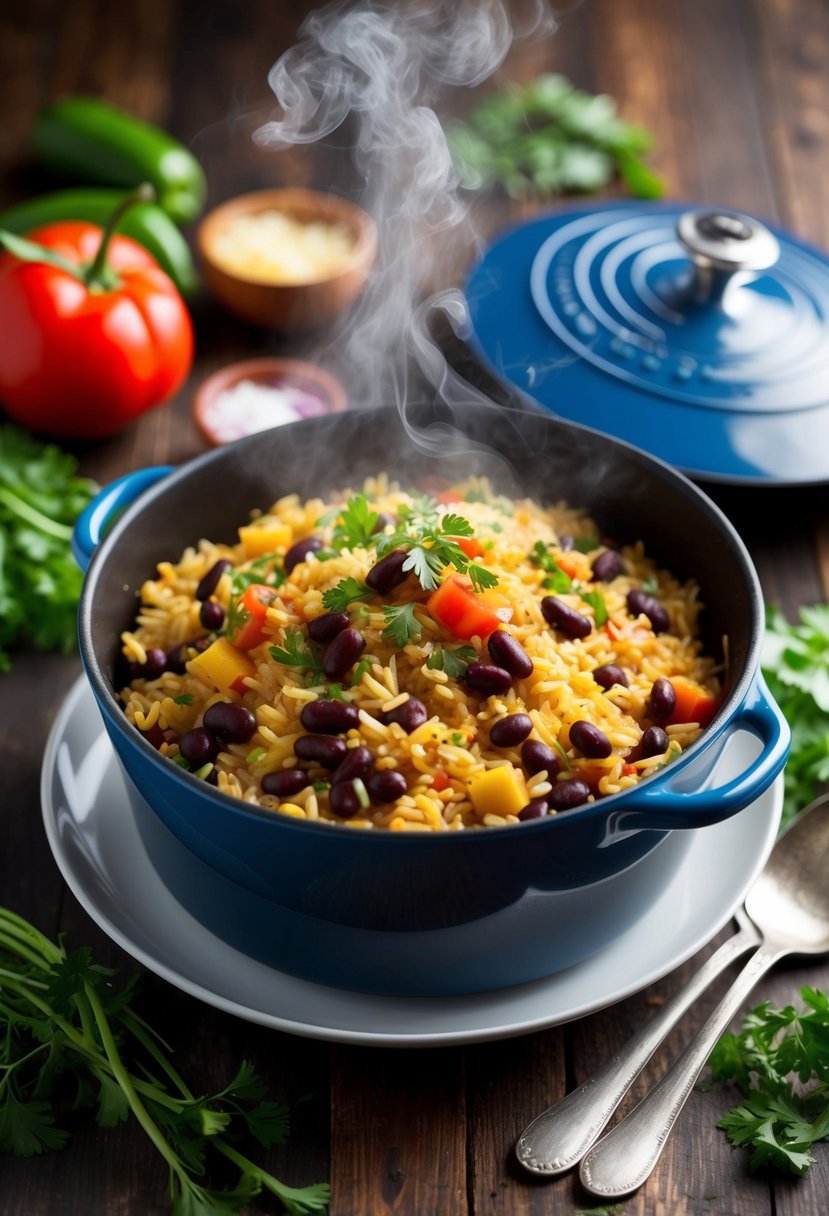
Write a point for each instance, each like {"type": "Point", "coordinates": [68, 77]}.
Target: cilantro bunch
{"type": "Point", "coordinates": [62, 1021]}
{"type": "Point", "coordinates": [40, 582]}
{"type": "Point", "coordinates": [547, 138]}
{"type": "Point", "coordinates": [780, 1061]}
{"type": "Point", "coordinates": [795, 663]}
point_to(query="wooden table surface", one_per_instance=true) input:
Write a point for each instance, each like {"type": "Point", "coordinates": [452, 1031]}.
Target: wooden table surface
{"type": "Point", "coordinates": [737, 96]}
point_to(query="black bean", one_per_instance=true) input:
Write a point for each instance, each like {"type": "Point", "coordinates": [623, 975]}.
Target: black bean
{"type": "Point", "coordinates": [487, 679]}
{"type": "Point", "coordinates": [639, 603]}
{"type": "Point", "coordinates": [510, 731]}
{"type": "Point", "coordinates": [329, 717]}
{"type": "Point", "coordinates": [343, 653]}
{"type": "Point", "coordinates": [509, 654]}
{"type": "Point", "coordinates": [326, 627]}
{"type": "Point", "coordinates": [233, 723]}
{"type": "Point", "coordinates": [388, 572]}
{"type": "Point", "coordinates": [344, 800]}
{"type": "Point", "coordinates": [299, 552]}
{"type": "Point", "coordinates": [565, 795]}
{"type": "Point", "coordinates": [199, 746]}
{"type": "Point", "coordinates": [211, 580]}
{"type": "Point", "coordinates": [609, 674]}
{"type": "Point", "coordinates": [654, 742]}
{"type": "Point", "coordinates": [564, 618]}
{"type": "Point", "coordinates": [212, 615]}
{"type": "Point", "coordinates": [384, 520]}
{"type": "Point", "coordinates": [386, 786]}
{"type": "Point", "coordinates": [409, 714]}
{"type": "Point", "coordinates": [152, 668]}
{"type": "Point", "coordinates": [589, 740]}
{"type": "Point", "coordinates": [359, 762]}
{"type": "Point", "coordinates": [607, 566]}
{"type": "Point", "coordinates": [536, 808]}
{"type": "Point", "coordinates": [662, 702]}
{"type": "Point", "coordinates": [538, 757]}
{"type": "Point", "coordinates": [181, 654]}
{"type": "Point", "coordinates": [325, 750]}
{"type": "Point", "coordinates": [285, 782]}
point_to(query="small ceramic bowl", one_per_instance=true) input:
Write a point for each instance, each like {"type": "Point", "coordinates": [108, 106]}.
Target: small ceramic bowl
{"type": "Point", "coordinates": [257, 394]}
{"type": "Point", "coordinates": [288, 305]}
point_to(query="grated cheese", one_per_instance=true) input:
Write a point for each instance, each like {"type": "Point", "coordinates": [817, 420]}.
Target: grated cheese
{"type": "Point", "coordinates": [272, 247]}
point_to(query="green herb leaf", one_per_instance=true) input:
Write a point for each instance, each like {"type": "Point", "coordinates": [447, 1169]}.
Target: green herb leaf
{"type": "Point", "coordinates": [297, 651]}
{"type": "Point", "coordinates": [402, 626]}
{"type": "Point", "coordinates": [597, 602]}
{"type": "Point", "coordinates": [355, 525]}
{"type": "Point", "coordinates": [184, 698]}
{"type": "Point", "coordinates": [347, 590]}
{"type": "Point", "coordinates": [454, 662]}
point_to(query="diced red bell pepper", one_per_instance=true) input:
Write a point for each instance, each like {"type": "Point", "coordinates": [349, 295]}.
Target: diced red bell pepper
{"type": "Point", "coordinates": [693, 703]}
{"type": "Point", "coordinates": [465, 612]}
{"type": "Point", "coordinates": [252, 609]}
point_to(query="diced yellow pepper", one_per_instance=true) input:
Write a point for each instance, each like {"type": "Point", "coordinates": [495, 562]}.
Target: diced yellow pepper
{"type": "Point", "coordinates": [498, 791]}
{"type": "Point", "coordinates": [222, 665]}
{"type": "Point", "coordinates": [266, 537]}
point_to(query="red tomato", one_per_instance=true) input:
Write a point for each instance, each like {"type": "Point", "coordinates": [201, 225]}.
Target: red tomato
{"type": "Point", "coordinates": [254, 608]}
{"type": "Point", "coordinates": [693, 704]}
{"type": "Point", "coordinates": [463, 612]}
{"type": "Point", "coordinates": [84, 359]}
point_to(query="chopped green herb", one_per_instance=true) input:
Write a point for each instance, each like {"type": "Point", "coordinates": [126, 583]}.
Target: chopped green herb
{"type": "Point", "coordinates": [204, 772]}
{"type": "Point", "coordinates": [597, 602]}
{"type": "Point", "coordinates": [320, 787]}
{"type": "Point", "coordinates": [184, 698]}
{"type": "Point", "coordinates": [481, 577]}
{"type": "Point", "coordinates": [347, 590]}
{"type": "Point", "coordinates": [181, 762]}
{"type": "Point", "coordinates": [586, 544]}
{"type": "Point", "coordinates": [559, 582]}
{"type": "Point", "coordinates": [458, 738]}
{"type": "Point", "coordinates": [476, 494]}
{"type": "Point", "coordinates": [359, 671]}
{"type": "Point", "coordinates": [780, 1061]}
{"type": "Point", "coordinates": [334, 692]}
{"type": "Point", "coordinates": [355, 525]}
{"type": "Point", "coordinates": [256, 754]}
{"type": "Point", "coordinates": [402, 626]}
{"type": "Point", "coordinates": [432, 542]}
{"type": "Point", "coordinates": [64, 1025]}
{"type": "Point", "coordinates": [650, 586]}
{"type": "Point", "coordinates": [297, 651]}
{"type": "Point", "coordinates": [453, 662]}
{"type": "Point", "coordinates": [266, 569]}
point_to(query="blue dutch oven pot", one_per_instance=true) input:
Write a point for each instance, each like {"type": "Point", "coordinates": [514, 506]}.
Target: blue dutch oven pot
{"type": "Point", "coordinates": [441, 913]}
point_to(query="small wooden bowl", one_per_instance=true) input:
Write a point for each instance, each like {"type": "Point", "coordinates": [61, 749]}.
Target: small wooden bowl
{"type": "Point", "coordinates": [289, 306]}
{"type": "Point", "coordinates": [315, 392]}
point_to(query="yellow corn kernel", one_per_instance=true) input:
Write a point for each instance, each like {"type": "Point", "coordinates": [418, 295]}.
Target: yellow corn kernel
{"type": "Point", "coordinates": [223, 666]}
{"type": "Point", "coordinates": [498, 791]}
{"type": "Point", "coordinates": [258, 539]}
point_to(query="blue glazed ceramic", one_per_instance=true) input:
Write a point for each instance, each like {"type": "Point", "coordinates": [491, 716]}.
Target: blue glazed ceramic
{"type": "Point", "coordinates": [444, 913]}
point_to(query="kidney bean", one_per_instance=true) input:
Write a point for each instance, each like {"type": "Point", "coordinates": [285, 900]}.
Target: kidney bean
{"type": "Point", "coordinates": [326, 627]}
{"type": "Point", "coordinates": [510, 731]}
{"type": "Point", "coordinates": [564, 618]}
{"type": "Point", "coordinates": [538, 757]}
{"type": "Point", "coordinates": [155, 665]}
{"type": "Point", "coordinates": [609, 674]}
{"type": "Point", "coordinates": [179, 655]}
{"type": "Point", "coordinates": [154, 735]}
{"type": "Point", "coordinates": [325, 750]}
{"type": "Point", "coordinates": [285, 782]}
{"type": "Point", "coordinates": [409, 714]}
{"type": "Point", "coordinates": [212, 615]}
{"type": "Point", "coordinates": [358, 762]}
{"type": "Point", "coordinates": [299, 551]}
{"type": "Point", "coordinates": [654, 742]}
{"type": "Point", "coordinates": [507, 652]}
{"type": "Point", "coordinates": [662, 702]}
{"type": "Point", "coordinates": [199, 746]}
{"type": "Point", "coordinates": [344, 800]}
{"type": "Point", "coordinates": [589, 740]}
{"type": "Point", "coordinates": [386, 786]}
{"type": "Point", "coordinates": [639, 603]}
{"type": "Point", "coordinates": [607, 566]}
{"type": "Point", "coordinates": [343, 653]}
{"type": "Point", "coordinates": [536, 808]}
{"type": "Point", "coordinates": [487, 679]}
{"type": "Point", "coordinates": [211, 580]}
{"type": "Point", "coordinates": [233, 723]}
{"type": "Point", "coordinates": [565, 795]}
{"type": "Point", "coordinates": [329, 717]}
{"type": "Point", "coordinates": [388, 572]}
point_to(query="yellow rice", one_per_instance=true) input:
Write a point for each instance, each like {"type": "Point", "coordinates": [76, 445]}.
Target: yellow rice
{"type": "Point", "coordinates": [438, 758]}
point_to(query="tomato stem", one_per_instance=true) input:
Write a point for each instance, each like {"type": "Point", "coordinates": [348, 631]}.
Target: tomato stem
{"type": "Point", "coordinates": [97, 274]}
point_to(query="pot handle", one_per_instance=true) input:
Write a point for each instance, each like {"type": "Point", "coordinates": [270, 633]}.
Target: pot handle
{"type": "Point", "coordinates": [96, 518]}
{"type": "Point", "coordinates": [668, 805]}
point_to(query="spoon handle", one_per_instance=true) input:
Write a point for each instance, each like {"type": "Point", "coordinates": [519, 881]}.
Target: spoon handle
{"type": "Point", "coordinates": [624, 1158]}
{"type": "Point", "coordinates": [559, 1138]}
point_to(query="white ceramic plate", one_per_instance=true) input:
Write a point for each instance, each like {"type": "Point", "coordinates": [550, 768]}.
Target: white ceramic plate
{"type": "Point", "coordinates": [94, 839]}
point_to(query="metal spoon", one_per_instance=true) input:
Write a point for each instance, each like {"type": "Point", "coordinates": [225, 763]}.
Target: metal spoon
{"type": "Point", "coordinates": [790, 903]}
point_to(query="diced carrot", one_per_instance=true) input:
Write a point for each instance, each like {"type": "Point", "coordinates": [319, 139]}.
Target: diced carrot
{"type": "Point", "coordinates": [252, 610]}
{"type": "Point", "coordinates": [471, 546]}
{"type": "Point", "coordinates": [440, 781]}
{"type": "Point", "coordinates": [568, 566]}
{"type": "Point", "coordinates": [464, 612]}
{"type": "Point", "coordinates": [628, 770]}
{"type": "Point", "coordinates": [614, 631]}
{"type": "Point", "coordinates": [693, 703]}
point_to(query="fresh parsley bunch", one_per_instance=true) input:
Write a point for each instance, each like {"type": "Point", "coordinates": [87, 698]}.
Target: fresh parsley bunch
{"type": "Point", "coordinates": [40, 581]}
{"type": "Point", "coordinates": [547, 138]}
{"type": "Point", "coordinates": [780, 1061]}
{"type": "Point", "coordinates": [61, 1020]}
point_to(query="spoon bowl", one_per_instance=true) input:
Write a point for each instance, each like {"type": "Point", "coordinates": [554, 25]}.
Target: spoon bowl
{"type": "Point", "coordinates": [789, 902]}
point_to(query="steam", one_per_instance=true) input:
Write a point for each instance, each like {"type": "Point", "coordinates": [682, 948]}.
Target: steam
{"type": "Point", "coordinates": [373, 73]}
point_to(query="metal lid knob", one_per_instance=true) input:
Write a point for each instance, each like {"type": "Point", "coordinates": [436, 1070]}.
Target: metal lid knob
{"type": "Point", "coordinates": [723, 244]}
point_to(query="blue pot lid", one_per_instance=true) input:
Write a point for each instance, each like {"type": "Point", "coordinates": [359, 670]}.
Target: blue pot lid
{"type": "Point", "coordinates": [698, 334]}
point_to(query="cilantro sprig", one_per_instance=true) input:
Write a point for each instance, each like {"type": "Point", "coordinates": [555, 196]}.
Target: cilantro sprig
{"type": "Point", "coordinates": [298, 651]}
{"type": "Point", "coordinates": [780, 1061]}
{"type": "Point", "coordinates": [432, 544]}
{"type": "Point", "coordinates": [347, 591]}
{"type": "Point", "coordinates": [402, 626]}
{"type": "Point", "coordinates": [355, 525]}
{"type": "Point", "coordinates": [62, 1019]}
{"type": "Point", "coordinates": [453, 661]}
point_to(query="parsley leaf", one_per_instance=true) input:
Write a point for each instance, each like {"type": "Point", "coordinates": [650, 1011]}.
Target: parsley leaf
{"type": "Point", "coordinates": [432, 543]}
{"type": "Point", "coordinates": [347, 590]}
{"type": "Point", "coordinates": [355, 525]}
{"type": "Point", "coordinates": [453, 662]}
{"type": "Point", "coordinates": [597, 602]}
{"type": "Point", "coordinates": [402, 626]}
{"type": "Point", "coordinates": [297, 651]}
{"type": "Point", "coordinates": [557, 580]}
